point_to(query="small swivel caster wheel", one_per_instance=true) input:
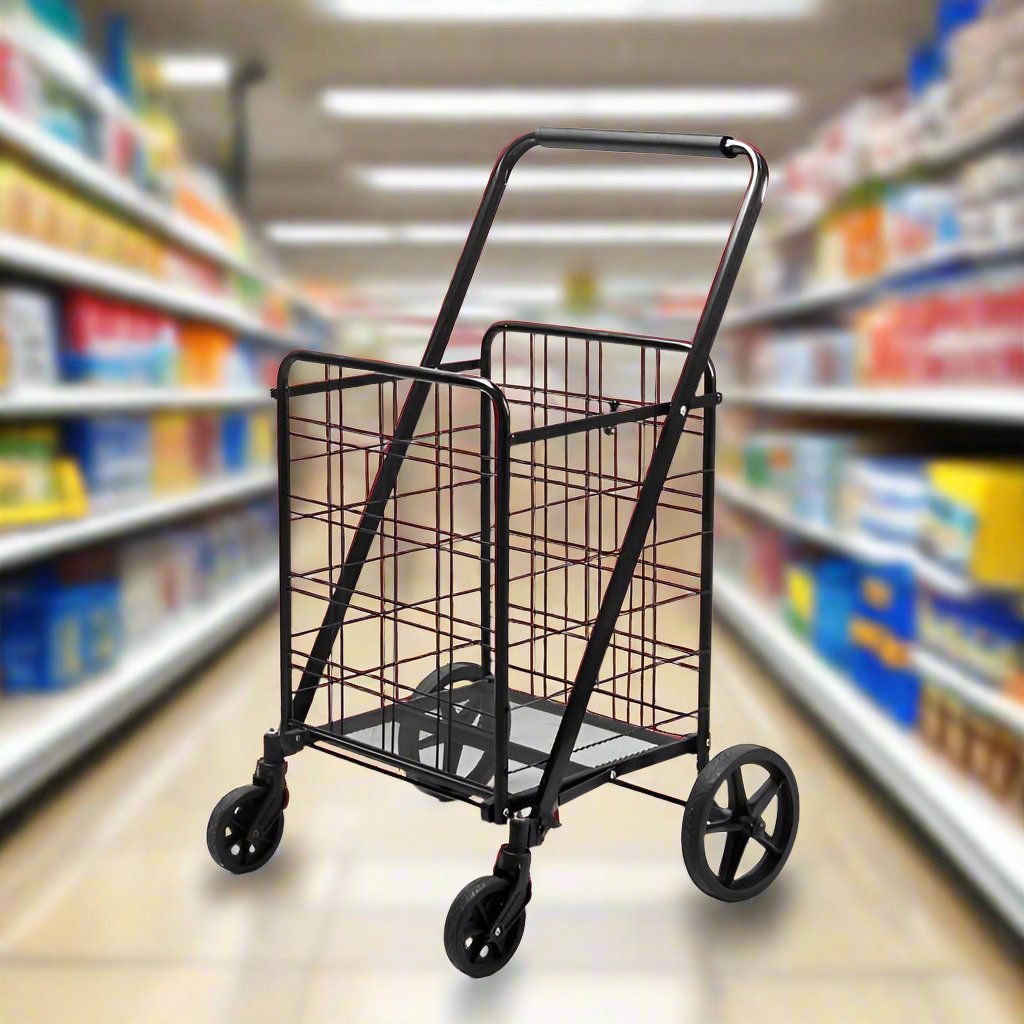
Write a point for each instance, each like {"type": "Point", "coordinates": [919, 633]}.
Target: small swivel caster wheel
{"type": "Point", "coordinates": [467, 930]}
{"type": "Point", "coordinates": [229, 826]}
{"type": "Point", "coordinates": [753, 828]}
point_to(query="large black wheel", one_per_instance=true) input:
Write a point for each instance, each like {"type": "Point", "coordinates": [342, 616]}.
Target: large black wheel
{"type": "Point", "coordinates": [740, 822]}
{"type": "Point", "coordinates": [467, 939]}
{"type": "Point", "coordinates": [229, 826]}
{"type": "Point", "coordinates": [468, 706]}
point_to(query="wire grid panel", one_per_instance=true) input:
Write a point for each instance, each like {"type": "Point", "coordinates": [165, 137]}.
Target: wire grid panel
{"type": "Point", "coordinates": [419, 605]}
{"type": "Point", "coordinates": [571, 499]}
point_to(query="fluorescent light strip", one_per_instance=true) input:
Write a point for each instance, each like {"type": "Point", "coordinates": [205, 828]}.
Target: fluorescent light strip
{"type": "Point", "coordinates": [526, 233]}
{"type": "Point", "coordinates": [567, 10]}
{"type": "Point", "coordinates": [326, 233]}
{"type": "Point", "coordinates": [194, 71]}
{"type": "Point", "coordinates": [428, 178]}
{"type": "Point", "coordinates": [569, 104]}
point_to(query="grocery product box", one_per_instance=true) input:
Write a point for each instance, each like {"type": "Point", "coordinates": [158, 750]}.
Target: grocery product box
{"type": "Point", "coordinates": [973, 521]}
{"type": "Point", "coordinates": [55, 634]}
{"type": "Point", "coordinates": [882, 631]}
{"type": "Point", "coordinates": [114, 343]}
{"type": "Point", "coordinates": [28, 339]}
{"type": "Point", "coordinates": [37, 482]}
{"type": "Point", "coordinates": [115, 454]}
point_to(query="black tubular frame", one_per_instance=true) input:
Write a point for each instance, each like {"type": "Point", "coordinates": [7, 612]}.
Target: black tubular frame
{"type": "Point", "coordinates": [553, 788]}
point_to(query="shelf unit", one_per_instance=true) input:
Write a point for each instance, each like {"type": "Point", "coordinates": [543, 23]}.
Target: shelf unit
{"type": "Point", "coordinates": [62, 400]}
{"type": "Point", "coordinates": [976, 833]}
{"type": "Point", "coordinates": [975, 692]}
{"type": "Point", "coordinates": [979, 695]}
{"type": "Point", "coordinates": [971, 404]}
{"type": "Point", "coordinates": [23, 546]}
{"type": "Point", "coordinates": [834, 295]}
{"type": "Point", "coordinates": [862, 548]}
{"type": "Point", "coordinates": [26, 256]}
{"type": "Point", "coordinates": [942, 155]}
{"type": "Point", "coordinates": [85, 174]}
{"type": "Point", "coordinates": [42, 734]}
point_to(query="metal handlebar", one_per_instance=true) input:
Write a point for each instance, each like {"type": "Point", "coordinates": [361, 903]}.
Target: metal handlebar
{"type": "Point", "coordinates": [635, 142]}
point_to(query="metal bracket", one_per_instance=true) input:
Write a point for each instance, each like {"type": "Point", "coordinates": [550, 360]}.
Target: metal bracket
{"type": "Point", "coordinates": [279, 745]}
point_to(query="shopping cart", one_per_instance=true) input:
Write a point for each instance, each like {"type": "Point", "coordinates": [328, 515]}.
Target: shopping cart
{"type": "Point", "coordinates": [496, 581]}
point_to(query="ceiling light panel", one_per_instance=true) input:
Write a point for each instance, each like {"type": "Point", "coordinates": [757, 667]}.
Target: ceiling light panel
{"type": "Point", "coordinates": [566, 10]}
{"type": "Point", "coordinates": [194, 70]}
{"type": "Point", "coordinates": [410, 178]}
{"type": "Point", "coordinates": [525, 233]}
{"type": "Point", "coordinates": [490, 104]}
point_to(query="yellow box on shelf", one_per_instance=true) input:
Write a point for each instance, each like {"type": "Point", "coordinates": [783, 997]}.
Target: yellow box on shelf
{"type": "Point", "coordinates": [37, 484]}
{"type": "Point", "coordinates": [973, 525]}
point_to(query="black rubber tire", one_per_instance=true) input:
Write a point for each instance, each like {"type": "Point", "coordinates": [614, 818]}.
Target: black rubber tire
{"type": "Point", "coordinates": [470, 917]}
{"type": "Point", "coordinates": [741, 822]}
{"type": "Point", "coordinates": [232, 816]}
{"type": "Point", "coordinates": [409, 738]}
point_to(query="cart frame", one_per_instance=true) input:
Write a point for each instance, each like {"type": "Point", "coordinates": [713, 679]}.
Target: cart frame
{"type": "Point", "coordinates": [558, 784]}
{"type": "Point", "coordinates": [486, 921]}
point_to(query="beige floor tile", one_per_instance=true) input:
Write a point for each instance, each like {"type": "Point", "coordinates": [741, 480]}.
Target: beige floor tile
{"type": "Point", "coordinates": [43, 992]}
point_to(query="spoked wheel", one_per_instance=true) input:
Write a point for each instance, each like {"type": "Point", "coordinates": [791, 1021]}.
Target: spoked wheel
{"type": "Point", "coordinates": [438, 748]}
{"type": "Point", "coordinates": [740, 822]}
{"type": "Point", "coordinates": [467, 939]}
{"type": "Point", "coordinates": [229, 826]}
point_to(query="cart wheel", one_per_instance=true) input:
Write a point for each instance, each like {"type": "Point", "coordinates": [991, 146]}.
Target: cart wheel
{"type": "Point", "coordinates": [468, 709]}
{"type": "Point", "coordinates": [468, 925]}
{"type": "Point", "coordinates": [229, 824]}
{"type": "Point", "coordinates": [768, 816]}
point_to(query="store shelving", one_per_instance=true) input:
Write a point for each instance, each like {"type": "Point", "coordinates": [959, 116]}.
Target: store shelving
{"type": "Point", "coordinates": [980, 696]}
{"type": "Point", "coordinates": [974, 404]}
{"type": "Point", "coordinates": [960, 817]}
{"type": "Point", "coordinates": [43, 733]}
{"type": "Point", "coordinates": [862, 548]}
{"type": "Point", "coordinates": [26, 545]}
{"type": "Point", "coordinates": [85, 174]}
{"type": "Point", "coordinates": [940, 155]}
{"type": "Point", "coordinates": [27, 256]}
{"type": "Point", "coordinates": [64, 400]}
{"type": "Point", "coordinates": [973, 691]}
{"type": "Point", "coordinates": [81, 172]}
{"type": "Point", "coordinates": [836, 295]}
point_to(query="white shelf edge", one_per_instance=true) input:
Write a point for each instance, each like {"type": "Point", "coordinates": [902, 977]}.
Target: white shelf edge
{"type": "Point", "coordinates": [836, 294]}
{"type": "Point", "coordinates": [958, 815]}
{"type": "Point", "coordinates": [82, 399]}
{"type": "Point", "coordinates": [20, 546]}
{"type": "Point", "coordinates": [972, 404]}
{"type": "Point", "coordinates": [31, 257]}
{"type": "Point", "coordinates": [981, 696]}
{"type": "Point", "coordinates": [864, 548]}
{"type": "Point", "coordinates": [41, 734]}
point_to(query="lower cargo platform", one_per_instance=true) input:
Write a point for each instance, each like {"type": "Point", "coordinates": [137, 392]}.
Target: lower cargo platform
{"type": "Point", "coordinates": [455, 738]}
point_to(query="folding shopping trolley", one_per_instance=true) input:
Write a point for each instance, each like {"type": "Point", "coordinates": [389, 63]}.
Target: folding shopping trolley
{"type": "Point", "coordinates": [496, 581]}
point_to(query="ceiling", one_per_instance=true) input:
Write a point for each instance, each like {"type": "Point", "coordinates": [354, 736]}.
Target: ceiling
{"type": "Point", "coordinates": [304, 160]}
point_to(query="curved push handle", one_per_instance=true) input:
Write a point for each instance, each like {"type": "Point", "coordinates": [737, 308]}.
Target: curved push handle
{"type": "Point", "coordinates": [636, 142]}
{"type": "Point", "coordinates": [611, 141]}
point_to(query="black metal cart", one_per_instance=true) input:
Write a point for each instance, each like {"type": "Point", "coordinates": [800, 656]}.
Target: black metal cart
{"type": "Point", "coordinates": [486, 571]}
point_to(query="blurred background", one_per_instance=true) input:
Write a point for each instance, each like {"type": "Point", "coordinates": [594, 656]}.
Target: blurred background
{"type": "Point", "coordinates": [188, 191]}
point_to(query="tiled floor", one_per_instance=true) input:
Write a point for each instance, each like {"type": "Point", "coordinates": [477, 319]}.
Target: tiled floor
{"type": "Point", "coordinates": [113, 911]}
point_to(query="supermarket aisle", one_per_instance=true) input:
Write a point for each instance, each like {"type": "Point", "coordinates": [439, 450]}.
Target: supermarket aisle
{"type": "Point", "coordinates": [113, 910]}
